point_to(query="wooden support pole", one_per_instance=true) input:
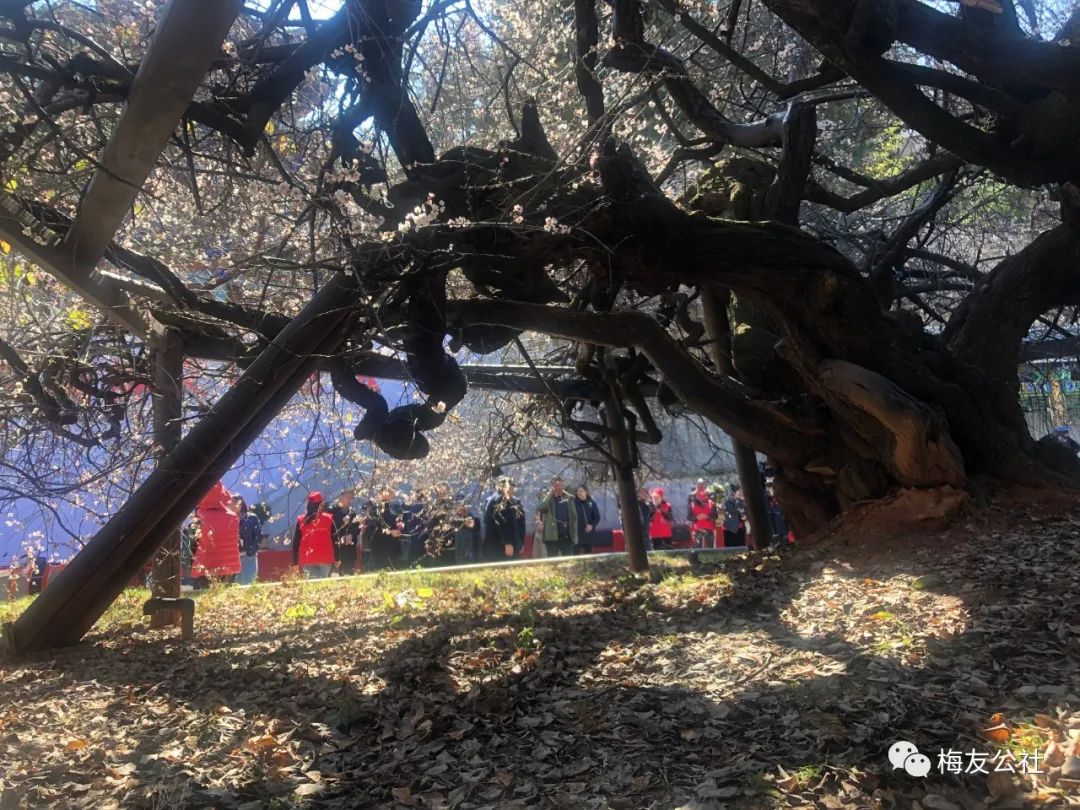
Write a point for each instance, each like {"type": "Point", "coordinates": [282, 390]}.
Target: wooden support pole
{"type": "Point", "coordinates": [186, 41]}
{"type": "Point", "coordinates": [168, 399]}
{"type": "Point", "coordinates": [94, 578]}
{"type": "Point", "coordinates": [626, 488]}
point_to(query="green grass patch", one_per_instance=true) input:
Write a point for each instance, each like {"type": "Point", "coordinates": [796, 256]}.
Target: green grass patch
{"type": "Point", "coordinates": [412, 594]}
{"type": "Point", "coordinates": [808, 774]}
{"type": "Point", "coordinates": [10, 611]}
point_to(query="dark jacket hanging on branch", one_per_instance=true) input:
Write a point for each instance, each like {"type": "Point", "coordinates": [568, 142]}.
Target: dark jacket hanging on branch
{"type": "Point", "coordinates": [399, 432]}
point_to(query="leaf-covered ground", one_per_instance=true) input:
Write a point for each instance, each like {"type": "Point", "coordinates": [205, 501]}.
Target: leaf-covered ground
{"type": "Point", "coordinates": [745, 683]}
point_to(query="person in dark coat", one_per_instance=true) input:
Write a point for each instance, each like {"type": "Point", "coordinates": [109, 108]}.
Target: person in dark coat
{"type": "Point", "coordinates": [440, 531]}
{"type": "Point", "coordinates": [734, 518]}
{"type": "Point", "coordinates": [365, 517]}
{"type": "Point", "coordinates": [383, 531]}
{"type": "Point", "coordinates": [466, 536]}
{"type": "Point", "coordinates": [504, 524]}
{"type": "Point", "coordinates": [251, 537]}
{"type": "Point", "coordinates": [189, 540]}
{"type": "Point", "coordinates": [776, 516]}
{"type": "Point", "coordinates": [416, 527]}
{"type": "Point", "coordinates": [588, 517]}
{"type": "Point", "coordinates": [346, 532]}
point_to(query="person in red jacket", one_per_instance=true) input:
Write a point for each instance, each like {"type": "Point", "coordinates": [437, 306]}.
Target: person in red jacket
{"type": "Point", "coordinates": [701, 512]}
{"type": "Point", "coordinates": [660, 521]}
{"type": "Point", "coordinates": [217, 549]}
{"type": "Point", "coordinates": [313, 539]}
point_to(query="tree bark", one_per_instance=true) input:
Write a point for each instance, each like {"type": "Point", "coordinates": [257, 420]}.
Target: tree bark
{"type": "Point", "coordinates": [168, 369]}
{"type": "Point", "coordinates": [753, 488]}
{"type": "Point", "coordinates": [633, 531]}
{"type": "Point", "coordinates": [729, 404]}
{"type": "Point", "coordinates": [586, 39]}
{"type": "Point", "coordinates": [988, 327]}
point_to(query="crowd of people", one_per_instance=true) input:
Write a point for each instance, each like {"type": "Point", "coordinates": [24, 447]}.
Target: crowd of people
{"type": "Point", "coordinates": [397, 529]}
{"type": "Point", "coordinates": [715, 517]}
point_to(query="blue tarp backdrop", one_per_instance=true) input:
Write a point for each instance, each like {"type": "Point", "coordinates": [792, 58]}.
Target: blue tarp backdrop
{"type": "Point", "coordinates": [268, 472]}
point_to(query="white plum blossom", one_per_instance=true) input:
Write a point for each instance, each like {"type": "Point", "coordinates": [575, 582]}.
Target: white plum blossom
{"type": "Point", "coordinates": [422, 215]}
{"type": "Point", "coordinates": [552, 225]}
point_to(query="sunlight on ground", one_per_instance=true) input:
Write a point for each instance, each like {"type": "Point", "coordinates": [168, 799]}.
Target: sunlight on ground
{"type": "Point", "coordinates": [750, 681]}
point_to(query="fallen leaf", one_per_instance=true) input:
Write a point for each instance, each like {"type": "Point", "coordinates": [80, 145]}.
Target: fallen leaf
{"type": "Point", "coordinates": [928, 581]}
{"type": "Point", "coordinates": [260, 745]}
{"type": "Point", "coordinates": [998, 734]}
{"type": "Point", "coordinates": [1046, 721]}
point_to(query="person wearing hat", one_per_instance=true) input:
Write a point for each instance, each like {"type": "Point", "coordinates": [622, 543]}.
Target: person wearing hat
{"type": "Point", "coordinates": [313, 539]}
{"type": "Point", "coordinates": [217, 552]}
{"type": "Point", "coordinates": [660, 520]}
{"type": "Point", "coordinates": [701, 513]}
